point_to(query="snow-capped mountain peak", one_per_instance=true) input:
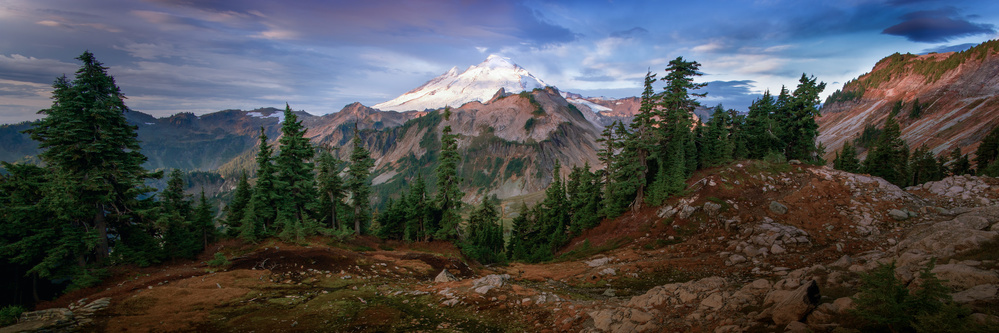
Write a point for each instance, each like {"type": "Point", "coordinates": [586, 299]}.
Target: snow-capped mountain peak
{"type": "Point", "coordinates": [477, 83]}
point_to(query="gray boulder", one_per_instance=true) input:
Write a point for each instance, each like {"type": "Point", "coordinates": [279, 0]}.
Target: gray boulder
{"type": "Point", "coordinates": [778, 208]}
{"type": "Point", "coordinates": [445, 276]}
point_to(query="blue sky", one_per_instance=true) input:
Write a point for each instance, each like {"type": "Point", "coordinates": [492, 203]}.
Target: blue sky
{"type": "Point", "coordinates": [172, 56]}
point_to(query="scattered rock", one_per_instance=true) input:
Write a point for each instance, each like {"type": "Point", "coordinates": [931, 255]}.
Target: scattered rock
{"type": "Point", "coordinates": [778, 208]}
{"type": "Point", "coordinates": [488, 282]}
{"type": "Point", "coordinates": [445, 276]}
{"type": "Point", "coordinates": [598, 262]}
{"type": "Point", "coordinates": [712, 208]}
{"type": "Point", "coordinates": [898, 215]}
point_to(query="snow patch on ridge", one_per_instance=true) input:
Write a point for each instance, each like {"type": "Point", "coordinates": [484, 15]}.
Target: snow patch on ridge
{"type": "Point", "coordinates": [278, 115]}
{"type": "Point", "coordinates": [593, 106]}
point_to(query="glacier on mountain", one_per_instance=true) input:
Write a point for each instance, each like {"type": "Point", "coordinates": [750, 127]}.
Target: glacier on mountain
{"type": "Point", "coordinates": [477, 83]}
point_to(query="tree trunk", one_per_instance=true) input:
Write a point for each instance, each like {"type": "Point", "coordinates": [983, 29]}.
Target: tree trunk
{"type": "Point", "coordinates": [333, 223]}
{"type": "Point", "coordinates": [357, 220]}
{"type": "Point", "coordinates": [640, 194]}
{"type": "Point", "coordinates": [34, 288]}
{"type": "Point", "coordinates": [102, 235]}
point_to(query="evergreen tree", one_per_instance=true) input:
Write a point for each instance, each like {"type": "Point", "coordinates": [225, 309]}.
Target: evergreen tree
{"type": "Point", "coordinates": [516, 248]}
{"type": "Point", "coordinates": [676, 115]}
{"type": "Point", "coordinates": [988, 149]}
{"type": "Point", "coordinates": [896, 108]}
{"type": "Point", "coordinates": [485, 235]}
{"type": "Point", "coordinates": [960, 165]}
{"type": "Point", "coordinates": [923, 167]}
{"type": "Point", "coordinates": [330, 186]}
{"type": "Point", "coordinates": [294, 174]}
{"type": "Point", "coordinates": [554, 217]}
{"type": "Point", "coordinates": [237, 207]}
{"type": "Point", "coordinates": [204, 223]}
{"type": "Point", "coordinates": [419, 223]}
{"type": "Point", "coordinates": [34, 239]}
{"type": "Point", "coordinates": [801, 130]}
{"type": "Point", "coordinates": [448, 191]}
{"type": "Point", "coordinates": [917, 110]}
{"type": "Point", "coordinates": [718, 143]}
{"type": "Point", "coordinates": [392, 221]}
{"type": "Point", "coordinates": [358, 184]}
{"type": "Point", "coordinates": [261, 214]}
{"type": "Point", "coordinates": [737, 132]}
{"type": "Point", "coordinates": [642, 139]}
{"type": "Point", "coordinates": [179, 240]}
{"type": "Point", "coordinates": [607, 155]}
{"type": "Point", "coordinates": [623, 178]}
{"type": "Point", "coordinates": [761, 130]}
{"type": "Point", "coordinates": [87, 143]}
{"type": "Point", "coordinates": [846, 159]}
{"type": "Point", "coordinates": [583, 192]}
{"type": "Point", "coordinates": [890, 157]}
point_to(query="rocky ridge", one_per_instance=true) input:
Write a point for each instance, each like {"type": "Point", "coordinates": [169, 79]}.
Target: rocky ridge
{"type": "Point", "coordinates": [958, 103]}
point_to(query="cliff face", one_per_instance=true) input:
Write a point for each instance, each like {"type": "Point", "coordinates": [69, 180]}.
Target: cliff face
{"type": "Point", "coordinates": [957, 92]}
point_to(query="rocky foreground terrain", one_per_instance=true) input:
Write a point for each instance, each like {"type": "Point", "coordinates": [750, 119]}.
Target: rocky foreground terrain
{"type": "Point", "coordinates": [753, 247]}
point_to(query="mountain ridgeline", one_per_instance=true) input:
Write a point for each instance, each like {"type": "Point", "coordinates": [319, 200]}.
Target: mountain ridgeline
{"type": "Point", "coordinates": [941, 101]}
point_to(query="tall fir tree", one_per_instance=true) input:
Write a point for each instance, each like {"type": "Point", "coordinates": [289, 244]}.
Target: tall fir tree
{"type": "Point", "coordinates": [761, 131]}
{"type": "Point", "coordinates": [846, 159]}
{"type": "Point", "coordinates": [554, 218]}
{"type": "Point", "coordinates": [611, 144]}
{"type": "Point", "coordinates": [330, 186]}
{"type": "Point", "coordinates": [516, 248]}
{"type": "Point", "coordinates": [204, 222]}
{"type": "Point", "coordinates": [485, 235]}
{"type": "Point", "coordinates": [959, 163]}
{"type": "Point", "coordinates": [923, 167]}
{"type": "Point", "coordinates": [676, 116]}
{"type": "Point", "coordinates": [35, 241]}
{"type": "Point", "coordinates": [890, 157]}
{"type": "Point", "coordinates": [296, 182]}
{"type": "Point", "coordinates": [236, 208]}
{"type": "Point", "coordinates": [179, 240]}
{"type": "Point", "coordinates": [623, 183]}
{"type": "Point", "coordinates": [643, 134]}
{"type": "Point", "coordinates": [800, 128]}
{"type": "Point", "coordinates": [988, 149]}
{"type": "Point", "coordinates": [358, 183]}
{"type": "Point", "coordinates": [88, 144]}
{"type": "Point", "coordinates": [448, 191]}
{"type": "Point", "coordinates": [260, 216]}
{"type": "Point", "coordinates": [718, 143]}
{"type": "Point", "coordinates": [420, 225]}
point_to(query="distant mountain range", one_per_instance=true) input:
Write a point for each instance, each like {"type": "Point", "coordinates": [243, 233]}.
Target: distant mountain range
{"type": "Point", "coordinates": [512, 127]}
{"type": "Point", "coordinates": [957, 92]}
